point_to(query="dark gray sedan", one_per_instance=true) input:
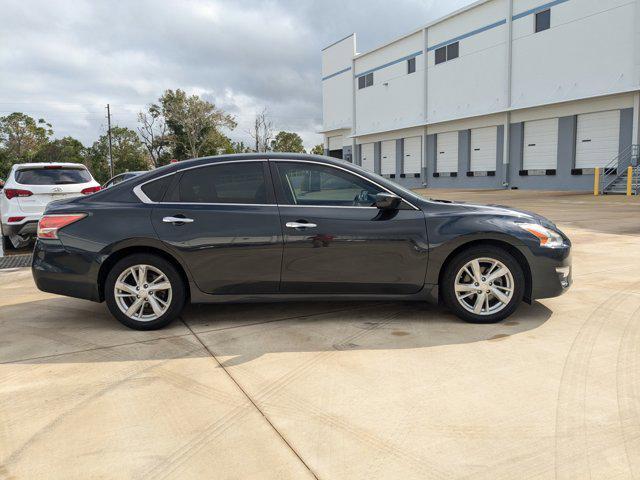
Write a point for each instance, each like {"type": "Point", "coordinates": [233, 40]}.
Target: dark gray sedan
{"type": "Point", "coordinates": [265, 227]}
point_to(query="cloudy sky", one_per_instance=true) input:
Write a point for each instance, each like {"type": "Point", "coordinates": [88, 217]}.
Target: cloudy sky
{"type": "Point", "coordinates": [64, 60]}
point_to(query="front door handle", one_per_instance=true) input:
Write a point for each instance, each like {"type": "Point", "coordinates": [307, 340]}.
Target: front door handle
{"type": "Point", "coordinates": [177, 220]}
{"type": "Point", "coordinates": [300, 225]}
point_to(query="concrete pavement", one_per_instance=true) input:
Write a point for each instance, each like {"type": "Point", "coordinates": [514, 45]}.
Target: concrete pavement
{"type": "Point", "coordinates": [338, 390]}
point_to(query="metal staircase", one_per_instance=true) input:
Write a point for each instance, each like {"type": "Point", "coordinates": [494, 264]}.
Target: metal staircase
{"type": "Point", "coordinates": [614, 175]}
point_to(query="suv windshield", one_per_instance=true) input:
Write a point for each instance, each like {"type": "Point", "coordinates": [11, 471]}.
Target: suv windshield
{"type": "Point", "coordinates": [52, 176]}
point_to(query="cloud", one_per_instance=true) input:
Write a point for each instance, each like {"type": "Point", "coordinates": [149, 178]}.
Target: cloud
{"type": "Point", "coordinates": [65, 60]}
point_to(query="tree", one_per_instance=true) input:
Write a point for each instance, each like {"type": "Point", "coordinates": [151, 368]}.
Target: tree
{"type": "Point", "coordinates": [318, 149]}
{"type": "Point", "coordinates": [21, 136]}
{"type": "Point", "coordinates": [287, 142]}
{"type": "Point", "coordinates": [5, 165]}
{"type": "Point", "coordinates": [262, 131]}
{"type": "Point", "coordinates": [239, 147]}
{"type": "Point", "coordinates": [195, 124]}
{"type": "Point", "coordinates": [154, 135]}
{"type": "Point", "coordinates": [127, 150]}
{"type": "Point", "coordinates": [67, 149]}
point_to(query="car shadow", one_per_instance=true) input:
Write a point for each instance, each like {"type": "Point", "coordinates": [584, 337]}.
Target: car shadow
{"type": "Point", "coordinates": [63, 330]}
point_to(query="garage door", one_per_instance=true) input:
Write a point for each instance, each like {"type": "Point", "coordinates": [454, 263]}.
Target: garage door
{"type": "Point", "coordinates": [447, 144]}
{"type": "Point", "coordinates": [597, 138]}
{"type": "Point", "coordinates": [367, 156]}
{"type": "Point", "coordinates": [412, 155]}
{"type": "Point", "coordinates": [388, 157]}
{"type": "Point", "coordinates": [335, 143]}
{"type": "Point", "coordinates": [484, 149]}
{"type": "Point", "coordinates": [540, 145]}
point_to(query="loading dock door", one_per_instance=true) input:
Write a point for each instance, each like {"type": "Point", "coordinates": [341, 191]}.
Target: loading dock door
{"type": "Point", "coordinates": [597, 138]}
{"type": "Point", "coordinates": [447, 159]}
{"type": "Point", "coordinates": [484, 149]}
{"type": "Point", "coordinates": [367, 156]}
{"type": "Point", "coordinates": [540, 145]}
{"type": "Point", "coordinates": [388, 157]}
{"type": "Point", "coordinates": [412, 155]}
{"type": "Point", "coordinates": [335, 146]}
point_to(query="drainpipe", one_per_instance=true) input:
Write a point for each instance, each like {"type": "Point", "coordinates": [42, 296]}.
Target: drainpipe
{"type": "Point", "coordinates": [507, 117]}
{"type": "Point", "coordinates": [636, 101]}
{"type": "Point", "coordinates": [353, 102]}
{"type": "Point", "coordinates": [636, 117]}
{"type": "Point", "coordinates": [425, 115]}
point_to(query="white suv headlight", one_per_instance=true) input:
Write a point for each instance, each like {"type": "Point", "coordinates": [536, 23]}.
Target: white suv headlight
{"type": "Point", "coordinates": [548, 238]}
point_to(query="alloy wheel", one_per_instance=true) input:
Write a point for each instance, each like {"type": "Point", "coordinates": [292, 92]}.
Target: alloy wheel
{"type": "Point", "coordinates": [484, 286]}
{"type": "Point", "coordinates": [143, 292]}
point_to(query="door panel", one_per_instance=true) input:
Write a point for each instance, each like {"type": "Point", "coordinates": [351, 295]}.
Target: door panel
{"type": "Point", "coordinates": [447, 144]}
{"type": "Point", "coordinates": [597, 138]}
{"type": "Point", "coordinates": [229, 248]}
{"type": "Point", "coordinates": [540, 144]}
{"type": "Point", "coordinates": [484, 149]}
{"type": "Point", "coordinates": [412, 155]}
{"type": "Point", "coordinates": [367, 156]}
{"type": "Point", "coordinates": [388, 157]}
{"type": "Point", "coordinates": [346, 249]}
{"type": "Point", "coordinates": [354, 250]}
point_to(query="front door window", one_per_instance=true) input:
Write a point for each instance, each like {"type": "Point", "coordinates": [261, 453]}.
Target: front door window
{"type": "Point", "coordinates": [308, 184]}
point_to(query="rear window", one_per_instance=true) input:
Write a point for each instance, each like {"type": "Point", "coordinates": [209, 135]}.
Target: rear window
{"type": "Point", "coordinates": [52, 176]}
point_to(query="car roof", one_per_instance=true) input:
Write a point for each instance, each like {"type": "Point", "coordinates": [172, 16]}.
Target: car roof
{"type": "Point", "coordinates": [258, 156]}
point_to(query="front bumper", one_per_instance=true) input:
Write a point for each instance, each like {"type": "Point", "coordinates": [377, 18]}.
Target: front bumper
{"type": "Point", "coordinates": [551, 271]}
{"type": "Point", "coordinates": [57, 271]}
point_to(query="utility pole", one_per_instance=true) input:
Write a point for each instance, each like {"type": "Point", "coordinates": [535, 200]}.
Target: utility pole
{"type": "Point", "coordinates": [109, 135]}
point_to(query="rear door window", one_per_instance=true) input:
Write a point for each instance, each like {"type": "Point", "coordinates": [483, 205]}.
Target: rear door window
{"type": "Point", "coordinates": [235, 182]}
{"type": "Point", "coordinates": [52, 176]}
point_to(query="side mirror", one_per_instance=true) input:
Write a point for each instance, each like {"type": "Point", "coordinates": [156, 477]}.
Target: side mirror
{"type": "Point", "coordinates": [387, 201]}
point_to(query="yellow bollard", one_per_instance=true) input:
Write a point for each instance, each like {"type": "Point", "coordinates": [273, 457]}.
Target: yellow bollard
{"type": "Point", "coordinates": [629, 180]}
{"type": "Point", "coordinates": [596, 181]}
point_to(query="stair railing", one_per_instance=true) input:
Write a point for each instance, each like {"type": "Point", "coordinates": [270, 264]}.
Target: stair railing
{"type": "Point", "coordinates": [618, 166]}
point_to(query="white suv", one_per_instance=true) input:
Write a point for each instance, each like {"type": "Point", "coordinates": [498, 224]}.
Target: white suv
{"type": "Point", "coordinates": [28, 190]}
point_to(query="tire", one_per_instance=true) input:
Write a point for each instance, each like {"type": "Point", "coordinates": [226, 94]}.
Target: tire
{"type": "Point", "coordinates": [466, 307]}
{"type": "Point", "coordinates": [160, 304]}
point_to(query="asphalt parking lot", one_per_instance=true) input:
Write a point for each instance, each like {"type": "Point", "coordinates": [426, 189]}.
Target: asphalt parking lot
{"type": "Point", "coordinates": [338, 390]}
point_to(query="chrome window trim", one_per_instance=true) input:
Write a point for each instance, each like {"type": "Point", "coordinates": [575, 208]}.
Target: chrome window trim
{"type": "Point", "coordinates": [137, 190]}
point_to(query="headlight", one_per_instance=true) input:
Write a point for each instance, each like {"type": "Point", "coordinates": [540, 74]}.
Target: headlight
{"type": "Point", "coordinates": [548, 238]}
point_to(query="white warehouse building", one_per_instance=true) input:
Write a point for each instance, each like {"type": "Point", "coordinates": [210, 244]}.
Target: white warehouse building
{"type": "Point", "coordinates": [500, 94]}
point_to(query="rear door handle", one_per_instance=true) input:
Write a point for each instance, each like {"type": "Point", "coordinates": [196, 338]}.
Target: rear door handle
{"type": "Point", "coordinates": [177, 220]}
{"type": "Point", "coordinates": [300, 225]}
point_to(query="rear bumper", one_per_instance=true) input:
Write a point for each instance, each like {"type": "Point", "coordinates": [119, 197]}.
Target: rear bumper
{"type": "Point", "coordinates": [27, 228]}
{"type": "Point", "coordinates": [56, 271]}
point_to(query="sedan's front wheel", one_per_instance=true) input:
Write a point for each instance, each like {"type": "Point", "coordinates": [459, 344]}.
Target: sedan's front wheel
{"type": "Point", "coordinates": [483, 284]}
{"type": "Point", "coordinates": [144, 292]}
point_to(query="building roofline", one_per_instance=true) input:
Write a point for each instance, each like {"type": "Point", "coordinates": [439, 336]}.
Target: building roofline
{"type": "Point", "coordinates": [338, 41]}
{"type": "Point", "coordinates": [428, 25]}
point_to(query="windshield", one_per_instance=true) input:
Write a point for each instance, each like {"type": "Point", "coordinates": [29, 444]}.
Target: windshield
{"type": "Point", "coordinates": [52, 176]}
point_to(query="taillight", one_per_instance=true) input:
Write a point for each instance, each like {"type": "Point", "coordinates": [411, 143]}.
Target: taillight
{"type": "Point", "coordinates": [49, 225]}
{"type": "Point", "coordinates": [15, 219]}
{"type": "Point", "coordinates": [15, 192]}
{"type": "Point", "coordinates": [90, 190]}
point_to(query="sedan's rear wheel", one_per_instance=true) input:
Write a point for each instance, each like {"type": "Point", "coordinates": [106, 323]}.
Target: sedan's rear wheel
{"type": "Point", "coordinates": [483, 285]}
{"type": "Point", "coordinates": [144, 292]}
